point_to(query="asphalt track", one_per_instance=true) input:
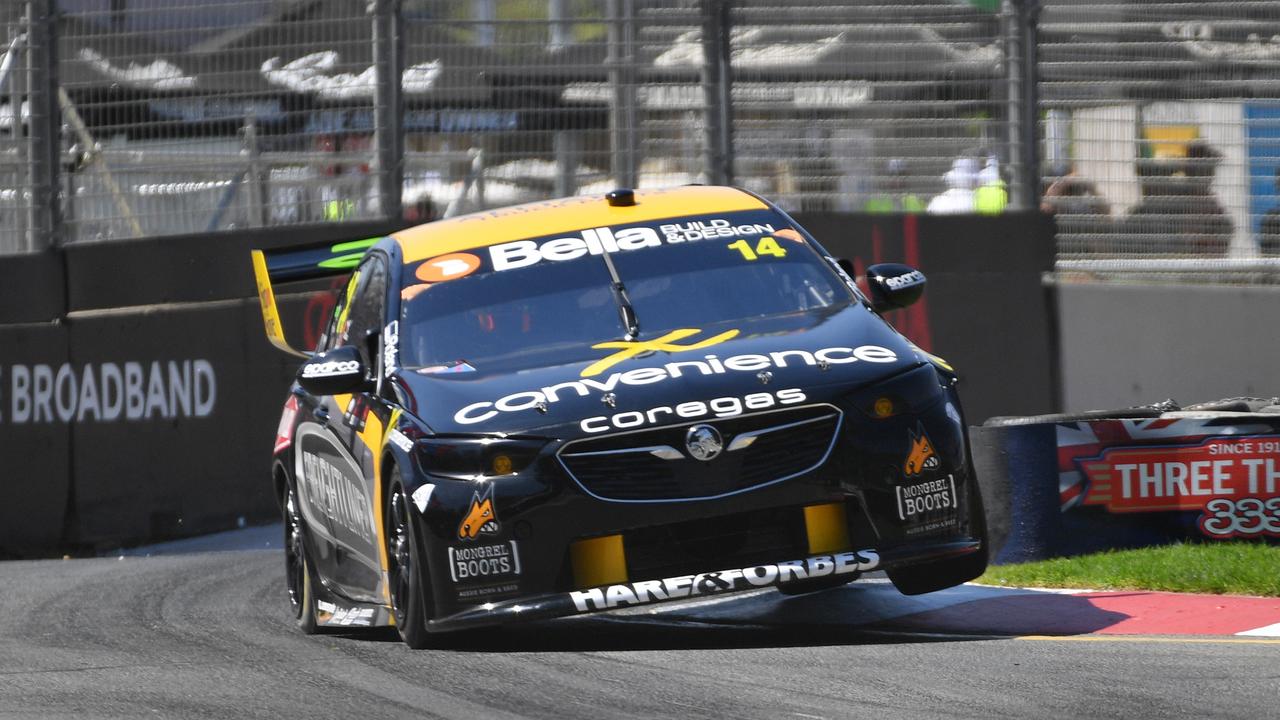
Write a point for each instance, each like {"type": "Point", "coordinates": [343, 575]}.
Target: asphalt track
{"type": "Point", "coordinates": [207, 635]}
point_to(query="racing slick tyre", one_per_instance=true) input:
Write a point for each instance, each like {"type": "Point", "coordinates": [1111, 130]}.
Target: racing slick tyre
{"type": "Point", "coordinates": [297, 574]}
{"type": "Point", "coordinates": [407, 570]}
{"type": "Point", "coordinates": [942, 574]}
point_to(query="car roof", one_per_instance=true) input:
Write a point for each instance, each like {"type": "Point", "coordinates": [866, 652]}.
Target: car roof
{"type": "Point", "coordinates": [548, 217]}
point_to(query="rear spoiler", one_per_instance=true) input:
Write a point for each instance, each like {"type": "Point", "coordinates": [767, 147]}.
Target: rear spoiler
{"type": "Point", "coordinates": [299, 263]}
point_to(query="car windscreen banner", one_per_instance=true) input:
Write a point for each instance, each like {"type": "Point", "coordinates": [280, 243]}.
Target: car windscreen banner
{"type": "Point", "coordinates": [526, 300]}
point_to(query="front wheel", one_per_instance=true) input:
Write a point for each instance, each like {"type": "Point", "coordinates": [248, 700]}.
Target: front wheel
{"type": "Point", "coordinates": [297, 575]}
{"type": "Point", "coordinates": [407, 570]}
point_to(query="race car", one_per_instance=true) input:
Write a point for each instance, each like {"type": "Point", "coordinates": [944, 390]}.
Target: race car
{"type": "Point", "coordinates": [604, 402]}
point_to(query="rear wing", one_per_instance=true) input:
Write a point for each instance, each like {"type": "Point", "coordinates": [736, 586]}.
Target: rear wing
{"type": "Point", "coordinates": [299, 263]}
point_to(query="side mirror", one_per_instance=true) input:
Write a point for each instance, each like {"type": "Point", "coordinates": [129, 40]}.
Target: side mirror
{"type": "Point", "coordinates": [335, 372]}
{"type": "Point", "coordinates": [894, 285]}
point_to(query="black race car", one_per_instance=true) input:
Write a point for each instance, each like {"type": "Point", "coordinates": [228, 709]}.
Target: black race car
{"type": "Point", "coordinates": [594, 403]}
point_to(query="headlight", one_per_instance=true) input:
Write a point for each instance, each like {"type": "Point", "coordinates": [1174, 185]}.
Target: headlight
{"type": "Point", "coordinates": [473, 457]}
{"type": "Point", "coordinates": [910, 392]}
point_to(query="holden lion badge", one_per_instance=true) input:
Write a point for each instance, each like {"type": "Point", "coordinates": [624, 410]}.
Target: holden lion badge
{"type": "Point", "coordinates": [703, 442]}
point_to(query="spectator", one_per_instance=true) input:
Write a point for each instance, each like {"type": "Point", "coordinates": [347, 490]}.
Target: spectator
{"type": "Point", "coordinates": [422, 210]}
{"type": "Point", "coordinates": [1082, 214]}
{"type": "Point", "coordinates": [958, 197]}
{"type": "Point", "coordinates": [895, 198]}
{"type": "Point", "coordinates": [1073, 195]}
{"type": "Point", "coordinates": [992, 195]}
{"type": "Point", "coordinates": [1269, 233]}
{"type": "Point", "coordinates": [1179, 212]}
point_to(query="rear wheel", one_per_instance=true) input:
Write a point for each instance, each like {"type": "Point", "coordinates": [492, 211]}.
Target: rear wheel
{"type": "Point", "coordinates": [942, 574]}
{"type": "Point", "coordinates": [297, 575]}
{"type": "Point", "coordinates": [407, 570]}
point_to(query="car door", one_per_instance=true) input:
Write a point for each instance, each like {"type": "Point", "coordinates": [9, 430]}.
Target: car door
{"type": "Point", "coordinates": [334, 487]}
{"type": "Point", "coordinates": [358, 570]}
{"type": "Point", "coordinates": [320, 458]}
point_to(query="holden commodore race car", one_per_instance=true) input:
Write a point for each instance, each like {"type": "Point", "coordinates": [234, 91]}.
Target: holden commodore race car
{"type": "Point", "coordinates": [596, 403]}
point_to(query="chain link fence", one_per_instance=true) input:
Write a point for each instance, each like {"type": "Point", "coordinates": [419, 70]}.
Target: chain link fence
{"type": "Point", "coordinates": [1156, 133]}
{"type": "Point", "coordinates": [1161, 130]}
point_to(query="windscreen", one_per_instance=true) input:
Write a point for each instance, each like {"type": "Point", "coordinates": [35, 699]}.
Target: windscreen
{"type": "Point", "coordinates": [544, 300]}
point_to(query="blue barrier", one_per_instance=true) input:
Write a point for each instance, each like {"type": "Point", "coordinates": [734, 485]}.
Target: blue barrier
{"type": "Point", "coordinates": [1062, 485]}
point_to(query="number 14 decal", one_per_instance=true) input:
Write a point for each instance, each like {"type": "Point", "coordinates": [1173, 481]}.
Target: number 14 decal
{"type": "Point", "coordinates": [765, 246]}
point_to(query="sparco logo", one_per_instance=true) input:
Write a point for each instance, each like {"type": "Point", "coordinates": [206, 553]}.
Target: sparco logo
{"type": "Point", "coordinates": [709, 365]}
{"type": "Point", "coordinates": [331, 369]}
{"type": "Point", "coordinates": [905, 280]}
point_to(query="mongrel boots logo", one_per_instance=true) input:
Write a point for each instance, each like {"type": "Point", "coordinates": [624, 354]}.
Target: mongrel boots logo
{"type": "Point", "coordinates": [481, 518]}
{"type": "Point", "coordinates": [920, 455]}
{"type": "Point", "coordinates": [709, 365]}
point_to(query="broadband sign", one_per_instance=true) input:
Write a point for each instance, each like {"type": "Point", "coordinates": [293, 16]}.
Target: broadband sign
{"type": "Point", "coordinates": [107, 392]}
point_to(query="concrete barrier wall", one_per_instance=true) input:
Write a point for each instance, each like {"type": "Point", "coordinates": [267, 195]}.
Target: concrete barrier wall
{"type": "Point", "coordinates": [986, 309]}
{"type": "Point", "coordinates": [1129, 345]}
{"type": "Point", "coordinates": [36, 457]}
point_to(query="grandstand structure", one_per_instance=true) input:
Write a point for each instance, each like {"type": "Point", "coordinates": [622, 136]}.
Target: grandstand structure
{"type": "Point", "coordinates": [1156, 133]}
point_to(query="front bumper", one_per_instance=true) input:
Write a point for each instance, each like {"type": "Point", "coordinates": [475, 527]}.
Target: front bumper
{"type": "Point", "coordinates": [524, 563]}
{"type": "Point", "coordinates": [607, 597]}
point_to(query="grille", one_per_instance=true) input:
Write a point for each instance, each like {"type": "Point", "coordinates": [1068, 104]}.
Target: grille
{"type": "Point", "coordinates": [654, 465]}
{"type": "Point", "coordinates": [742, 539]}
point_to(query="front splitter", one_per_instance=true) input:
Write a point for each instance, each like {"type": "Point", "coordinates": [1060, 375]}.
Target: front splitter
{"type": "Point", "coordinates": [645, 592]}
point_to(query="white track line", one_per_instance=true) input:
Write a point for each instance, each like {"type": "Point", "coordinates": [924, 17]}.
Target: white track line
{"type": "Point", "coordinates": [1265, 631]}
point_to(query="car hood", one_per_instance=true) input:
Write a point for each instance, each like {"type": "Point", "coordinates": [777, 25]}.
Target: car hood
{"type": "Point", "coordinates": [700, 371]}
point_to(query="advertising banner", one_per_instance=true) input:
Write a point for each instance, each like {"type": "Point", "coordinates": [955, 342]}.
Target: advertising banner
{"type": "Point", "coordinates": [1214, 478]}
{"type": "Point", "coordinates": [1063, 485]}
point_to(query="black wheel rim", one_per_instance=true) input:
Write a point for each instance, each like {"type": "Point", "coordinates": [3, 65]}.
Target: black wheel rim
{"type": "Point", "coordinates": [294, 553]}
{"type": "Point", "coordinates": [399, 556]}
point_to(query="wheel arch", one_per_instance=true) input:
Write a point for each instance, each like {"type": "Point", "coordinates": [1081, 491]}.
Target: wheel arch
{"type": "Point", "coordinates": [279, 480]}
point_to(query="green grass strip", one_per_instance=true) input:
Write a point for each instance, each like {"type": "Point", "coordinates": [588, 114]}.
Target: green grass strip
{"type": "Point", "coordinates": [1237, 568]}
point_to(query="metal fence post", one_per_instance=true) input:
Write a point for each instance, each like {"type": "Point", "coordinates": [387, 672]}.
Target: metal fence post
{"type": "Point", "coordinates": [255, 176]}
{"type": "Point", "coordinates": [717, 85]}
{"type": "Point", "coordinates": [43, 125]}
{"type": "Point", "coordinates": [559, 32]}
{"type": "Point", "coordinates": [16, 86]}
{"type": "Point", "coordinates": [388, 60]}
{"type": "Point", "coordinates": [623, 115]}
{"type": "Point", "coordinates": [565, 146]}
{"type": "Point", "coordinates": [1020, 18]}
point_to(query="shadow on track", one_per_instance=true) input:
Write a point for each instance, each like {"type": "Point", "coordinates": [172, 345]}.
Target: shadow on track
{"type": "Point", "coordinates": [848, 616]}
{"type": "Point", "coordinates": [606, 634]}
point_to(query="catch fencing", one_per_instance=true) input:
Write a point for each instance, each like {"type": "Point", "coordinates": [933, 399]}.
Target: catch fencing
{"type": "Point", "coordinates": [1150, 129]}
